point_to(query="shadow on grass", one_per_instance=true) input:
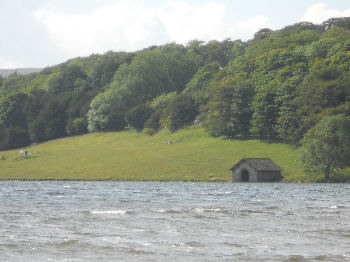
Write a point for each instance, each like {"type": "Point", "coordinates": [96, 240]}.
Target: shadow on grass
{"type": "Point", "coordinates": [21, 158]}
{"type": "Point", "coordinates": [264, 140]}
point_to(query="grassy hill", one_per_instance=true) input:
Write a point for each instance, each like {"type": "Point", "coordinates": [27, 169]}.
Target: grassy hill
{"type": "Point", "coordinates": [134, 156]}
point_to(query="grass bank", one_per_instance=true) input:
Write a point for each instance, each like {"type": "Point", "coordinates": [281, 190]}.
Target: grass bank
{"type": "Point", "coordinates": [130, 155]}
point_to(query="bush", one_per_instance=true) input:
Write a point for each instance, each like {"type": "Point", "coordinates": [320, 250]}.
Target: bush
{"type": "Point", "coordinates": [76, 126]}
{"type": "Point", "coordinates": [148, 131]}
{"type": "Point", "coordinates": [138, 115]}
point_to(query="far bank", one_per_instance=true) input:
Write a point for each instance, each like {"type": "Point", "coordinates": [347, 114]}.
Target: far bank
{"type": "Point", "coordinates": [187, 155]}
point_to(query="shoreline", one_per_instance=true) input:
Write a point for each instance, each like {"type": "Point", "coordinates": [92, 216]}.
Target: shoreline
{"type": "Point", "coordinates": [167, 181]}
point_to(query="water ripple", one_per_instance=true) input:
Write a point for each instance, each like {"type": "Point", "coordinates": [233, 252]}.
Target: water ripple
{"type": "Point", "coordinates": [173, 221]}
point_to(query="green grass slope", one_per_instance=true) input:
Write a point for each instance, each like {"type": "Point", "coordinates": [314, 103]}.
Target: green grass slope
{"type": "Point", "coordinates": [134, 156]}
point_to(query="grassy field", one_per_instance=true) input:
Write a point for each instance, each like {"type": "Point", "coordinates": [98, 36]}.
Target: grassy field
{"type": "Point", "coordinates": [135, 156]}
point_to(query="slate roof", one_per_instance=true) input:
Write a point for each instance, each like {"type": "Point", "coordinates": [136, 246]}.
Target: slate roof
{"type": "Point", "coordinates": [260, 164]}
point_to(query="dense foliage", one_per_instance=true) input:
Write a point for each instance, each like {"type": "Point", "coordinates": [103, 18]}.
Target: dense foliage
{"type": "Point", "coordinates": [276, 86]}
{"type": "Point", "coordinates": [327, 146]}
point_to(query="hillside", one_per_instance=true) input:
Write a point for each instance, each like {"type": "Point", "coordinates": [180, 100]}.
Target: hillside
{"type": "Point", "coordinates": [276, 86]}
{"type": "Point", "coordinates": [20, 71]}
{"type": "Point", "coordinates": [279, 86]}
{"type": "Point", "coordinates": [129, 155]}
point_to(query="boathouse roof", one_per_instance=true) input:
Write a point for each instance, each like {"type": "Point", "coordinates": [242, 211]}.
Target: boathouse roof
{"type": "Point", "coordinates": [260, 164]}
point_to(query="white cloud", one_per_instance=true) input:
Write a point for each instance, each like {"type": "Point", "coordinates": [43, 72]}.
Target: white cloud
{"type": "Point", "coordinates": [128, 25]}
{"type": "Point", "coordinates": [253, 24]}
{"type": "Point", "coordinates": [8, 64]}
{"type": "Point", "coordinates": [320, 12]}
{"type": "Point", "coordinates": [123, 26]}
{"type": "Point", "coordinates": [185, 22]}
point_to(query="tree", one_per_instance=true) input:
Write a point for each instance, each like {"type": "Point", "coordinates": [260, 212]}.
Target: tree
{"type": "Point", "coordinates": [153, 121]}
{"type": "Point", "coordinates": [326, 146]}
{"type": "Point", "coordinates": [12, 84]}
{"type": "Point", "coordinates": [50, 123]}
{"type": "Point", "coordinates": [230, 109]}
{"type": "Point", "coordinates": [321, 47]}
{"type": "Point", "coordinates": [108, 108]}
{"type": "Point", "coordinates": [76, 126]}
{"type": "Point", "coordinates": [13, 124]}
{"type": "Point", "coordinates": [198, 87]}
{"type": "Point", "coordinates": [100, 113]}
{"type": "Point", "coordinates": [137, 116]}
{"type": "Point", "coordinates": [265, 113]}
{"type": "Point", "coordinates": [155, 71]}
{"type": "Point", "coordinates": [341, 22]}
{"type": "Point", "coordinates": [262, 33]}
{"type": "Point", "coordinates": [182, 112]}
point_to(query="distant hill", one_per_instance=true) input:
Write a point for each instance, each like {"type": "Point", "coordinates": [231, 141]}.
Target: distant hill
{"type": "Point", "coordinates": [20, 71]}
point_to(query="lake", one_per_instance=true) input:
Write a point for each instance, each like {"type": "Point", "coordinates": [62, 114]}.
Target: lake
{"type": "Point", "coordinates": [173, 221]}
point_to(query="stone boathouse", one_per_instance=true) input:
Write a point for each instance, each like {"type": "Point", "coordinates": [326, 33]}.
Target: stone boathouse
{"type": "Point", "coordinates": [256, 170]}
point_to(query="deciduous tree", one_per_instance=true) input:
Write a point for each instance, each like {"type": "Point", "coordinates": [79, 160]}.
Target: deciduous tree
{"type": "Point", "coordinates": [326, 146]}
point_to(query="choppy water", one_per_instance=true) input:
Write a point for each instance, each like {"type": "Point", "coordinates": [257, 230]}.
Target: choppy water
{"type": "Point", "coordinates": [173, 221]}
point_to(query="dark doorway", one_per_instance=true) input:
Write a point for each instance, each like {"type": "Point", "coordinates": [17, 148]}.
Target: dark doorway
{"type": "Point", "coordinates": [245, 176]}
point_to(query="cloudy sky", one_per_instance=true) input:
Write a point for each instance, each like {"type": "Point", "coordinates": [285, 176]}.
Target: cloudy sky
{"type": "Point", "coordinates": [39, 33]}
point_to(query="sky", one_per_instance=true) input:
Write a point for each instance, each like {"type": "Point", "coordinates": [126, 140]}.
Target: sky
{"type": "Point", "coordinates": [40, 33]}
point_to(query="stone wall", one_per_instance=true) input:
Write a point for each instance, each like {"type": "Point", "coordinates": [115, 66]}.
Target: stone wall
{"type": "Point", "coordinates": [269, 176]}
{"type": "Point", "coordinates": [254, 175]}
{"type": "Point", "coordinates": [237, 173]}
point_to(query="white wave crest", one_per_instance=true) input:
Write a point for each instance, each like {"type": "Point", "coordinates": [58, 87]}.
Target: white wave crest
{"type": "Point", "coordinates": [111, 212]}
{"type": "Point", "coordinates": [160, 210]}
{"type": "Point", "coordinates": [202, 210]}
